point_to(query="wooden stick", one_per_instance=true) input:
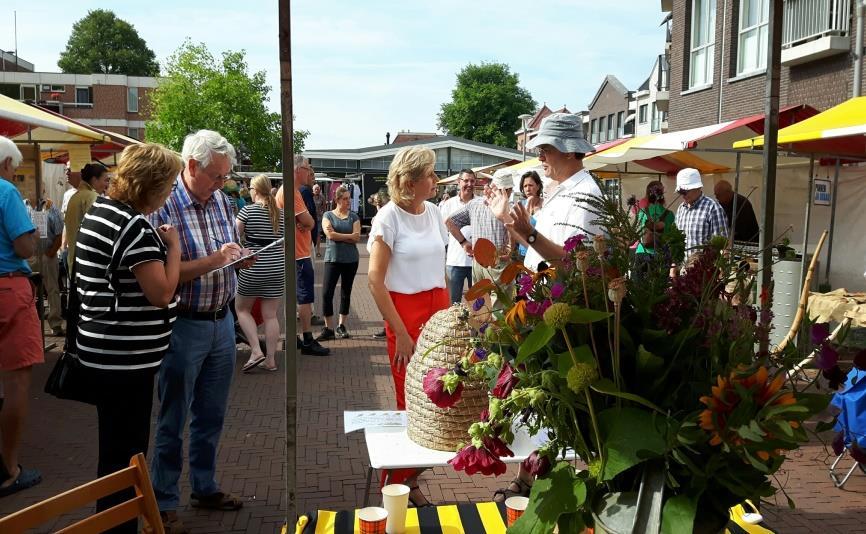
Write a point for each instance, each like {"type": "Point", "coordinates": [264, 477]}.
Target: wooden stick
{"type": "Point", "coordinates": [804, 298]}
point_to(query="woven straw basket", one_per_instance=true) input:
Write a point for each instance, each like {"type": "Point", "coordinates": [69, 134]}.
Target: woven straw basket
{"type": "Point", "coordinates": [448, 334]}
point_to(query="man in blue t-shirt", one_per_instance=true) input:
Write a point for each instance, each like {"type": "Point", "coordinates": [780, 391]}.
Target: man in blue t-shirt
{"type": "Point", "coordinates": [20, 329]}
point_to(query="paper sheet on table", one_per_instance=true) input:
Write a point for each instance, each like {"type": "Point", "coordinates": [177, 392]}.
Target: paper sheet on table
{"type": "Point", "coordinates": [250, 255]}
{"type": "Point", "coordinates": [353, 421]}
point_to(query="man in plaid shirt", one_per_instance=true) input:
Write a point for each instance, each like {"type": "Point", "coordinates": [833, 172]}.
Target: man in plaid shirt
{"type": "Point", "coordinates": [699, 216]}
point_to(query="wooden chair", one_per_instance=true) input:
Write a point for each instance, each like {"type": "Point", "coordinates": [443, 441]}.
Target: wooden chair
{"type": "Point", "coordinates": [142, 505]}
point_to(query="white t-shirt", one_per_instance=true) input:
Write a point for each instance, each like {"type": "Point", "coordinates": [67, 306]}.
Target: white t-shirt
{"type": "Point", "coordinates": [417, 244]}
{"type": "Point", "coordinates": [564, 214]}
{"type": "Point", "coordinates": [456, 256]}
{"type": "Point", "coordinates": [66, 196]}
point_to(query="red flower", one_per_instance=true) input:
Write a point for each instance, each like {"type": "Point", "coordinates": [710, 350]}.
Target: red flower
{"type": "Point", "coordinates": [536, 464]}
{"type": "Point", "coordinates": [435, 388]}
{"type": "Point", "coordinates": [497, 447]}
{"type": "Point", "coordinates": [505, 383]}
{"type": "Point", "coordinates": [474, 460]}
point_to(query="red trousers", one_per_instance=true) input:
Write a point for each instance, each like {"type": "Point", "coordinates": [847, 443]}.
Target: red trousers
{"type": "Point", "coordinates": [414, 310]}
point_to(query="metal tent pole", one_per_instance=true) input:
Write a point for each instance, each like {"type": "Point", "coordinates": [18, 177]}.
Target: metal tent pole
{"type": "Point", "coordinates": [736, 194]}
{"type": "Point", "coordinates": [285, 44]}
{"type": "Point", "coordinates": [771, 136]}
{"type": "Point", "coordinates": [832, 222]}
{"type": "Point", "coordinates": [804, 262]}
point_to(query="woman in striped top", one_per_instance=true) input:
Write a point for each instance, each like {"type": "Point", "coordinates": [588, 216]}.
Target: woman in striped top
{"type": "Point", "coordinates": [260, 224]}
{"type": "Point", "coordinates": [127, 274]}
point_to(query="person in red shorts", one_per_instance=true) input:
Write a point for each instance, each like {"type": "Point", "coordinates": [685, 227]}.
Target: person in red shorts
{"type": "Point", "coordinates": [20, 329]}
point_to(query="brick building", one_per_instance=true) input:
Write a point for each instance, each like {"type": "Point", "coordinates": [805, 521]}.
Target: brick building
{"type": "Point", "coordinates": [608, 111]}
{"type": "Point", "coordinates": [718, 57]}
{"type": "Point", "coordinates": [113, 102]}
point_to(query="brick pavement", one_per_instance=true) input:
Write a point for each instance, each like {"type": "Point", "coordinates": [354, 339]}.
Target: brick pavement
{"type": "Point", "coordinates": [61, 441]}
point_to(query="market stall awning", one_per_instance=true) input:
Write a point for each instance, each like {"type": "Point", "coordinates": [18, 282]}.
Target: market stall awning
{"type": "Point", "coordinates": [840, 131]}
{"type": "Point", "coordinates": [23, 122]}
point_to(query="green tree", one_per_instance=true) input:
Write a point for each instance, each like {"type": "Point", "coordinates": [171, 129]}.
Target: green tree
{"type": "Point", "coordinates": [485, 105]}
{"type": "Point", "coordinates": [103, 43]}
{"type": "Point", "coordinates": [199, 91]}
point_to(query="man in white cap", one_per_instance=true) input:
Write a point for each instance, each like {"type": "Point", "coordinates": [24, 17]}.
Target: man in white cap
{"type": "Point", "coordinates": [484, 224]}
{"type": "Point", "coordinates": [561, 148]}
{"type": "Point", "coordinates": [699, 216]}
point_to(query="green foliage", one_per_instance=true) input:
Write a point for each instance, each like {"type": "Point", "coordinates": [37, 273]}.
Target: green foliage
{"type": "Point", "coordinates": [630, 436]}
{"type": "Point", "coordinates": [485, 105]}
{"type": "Point", "coordinates": [202, 92]}
{"type": "Point", "coordinates": [564, 493]}
{"type": "Point", "coordinates": [102, 43]}
{"type": "Point", "coordinates": [678, 515]}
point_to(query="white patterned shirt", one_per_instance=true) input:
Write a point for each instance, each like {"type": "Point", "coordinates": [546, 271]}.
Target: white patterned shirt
{"type": "Point", "coordinates": [701, 221]}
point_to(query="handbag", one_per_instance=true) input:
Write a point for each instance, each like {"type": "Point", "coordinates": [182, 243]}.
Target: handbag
{"type": "Point", "coordinates": [70, 379]}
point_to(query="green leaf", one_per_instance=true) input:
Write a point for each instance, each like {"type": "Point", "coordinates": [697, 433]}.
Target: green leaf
{"type": "Point", "coordinates": [630, 436]}
{"type": "Point", "coordinates": [746, 432]}
{"type": "Point", "coordinates": [585, 315]}
{"type": "Point", "coordinates": [824, 426]}
{"type": "Point", "coordinates": [815, 402]}
{"type": "Point", "coordinates": [537, 339]}
{"type": "Point", "coordinates": [560, 492]}
{"type": "Point", "coordinates": [678, 515]}
{"type": "Point", "coordinates": [647, 362]}
{"type": "Point", "coordinates": [606, 387]}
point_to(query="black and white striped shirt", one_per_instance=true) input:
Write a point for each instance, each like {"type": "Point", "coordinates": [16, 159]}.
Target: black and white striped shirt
{"type": "Point", "coordinates": [118, 328]}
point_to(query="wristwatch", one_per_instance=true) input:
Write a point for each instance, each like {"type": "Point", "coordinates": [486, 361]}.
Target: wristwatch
{"type": "Point", "coordinates": [461, 242]}
{"type": "Point", "coordinates": [531, 237]}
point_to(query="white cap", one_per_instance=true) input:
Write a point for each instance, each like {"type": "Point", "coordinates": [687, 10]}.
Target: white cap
{"type": "Point", "coordinates": [503, 179]}
{"type": "Point", "coordinates": [688, 179]}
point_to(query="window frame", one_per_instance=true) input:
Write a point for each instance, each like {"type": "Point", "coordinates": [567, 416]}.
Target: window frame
{"type": "Point", "coordinates": [620, 124]}
{"type": "Point", "coordinates": [655, 119]}
{"type": "Point", "coordinates": [129, 130]}
{"type": "Point", "coordinates": [762, 24]}
{"type": "Point", "coordinates": [130, 100]}
{"type": "Point", "coordinates": [28, 86]}
{"type": "Point", "coordinates": [642, 113]}
{"type": "Point", "coordinates": [705, 49]}
{"type": "Point", "coordinates": [611, 128]}
{"type": "Point", "coordinates": [593, 134]}
{"type": "Point", "coordinates": [89, 92]}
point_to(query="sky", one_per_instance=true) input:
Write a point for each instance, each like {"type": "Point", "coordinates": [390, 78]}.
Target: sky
{"type": "Point", "coordinates": [361, 68]}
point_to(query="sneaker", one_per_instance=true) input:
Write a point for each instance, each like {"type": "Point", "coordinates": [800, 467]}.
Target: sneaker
{"type": "Point", "coordinates": [326, 335]}
{"type": "Point", "coordinates": [380, 333]}
{"type": "Point", "coordinates": [314, 349]}
{"type": "Point", "coordinates": [342, 333]}
{"type": "Point", "coordinates": [316, 320]}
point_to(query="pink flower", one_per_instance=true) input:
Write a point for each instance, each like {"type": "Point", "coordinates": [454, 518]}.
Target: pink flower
{"type": "Point", "coordinates": [536, 464]}
{"type": "Point", "coordinates": [434, 387]}
{"type": "Point", "coordinates": [505, 382]}
{"type": "Point", "coordinates": [573, 242]}
{"type": "Point", "coordinates": [827, 357]}
{"type": "Point", "coordinates": [497, 447]}
{"type": "Point", "coordinates": [820, 332]}
{"type": "Point", "coordinates": [474, 460]}
{"type": "Point", "coordinates": [557, 290]}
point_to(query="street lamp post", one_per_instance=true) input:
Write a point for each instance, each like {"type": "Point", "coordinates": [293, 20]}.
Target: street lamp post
{"type": "Point", "coordinates": [523, 118]}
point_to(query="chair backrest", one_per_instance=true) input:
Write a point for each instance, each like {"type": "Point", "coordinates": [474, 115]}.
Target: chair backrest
{"type": "Point", "coordinates": [142, 505]}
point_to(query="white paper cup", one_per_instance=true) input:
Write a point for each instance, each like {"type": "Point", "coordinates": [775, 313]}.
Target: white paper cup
{"type": "Point", "coordinates": [395, 499]}
{"type": "Point", "coordinates": [372, 520]}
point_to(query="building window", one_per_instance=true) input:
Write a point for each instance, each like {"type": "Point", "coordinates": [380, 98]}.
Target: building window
{"type": "Point", "coordinates": [28, 92]}
{"type": "Point", "coordinates": [53, 88]}
{"type": "Point", "coordinates": [602, 132]}
{"type": "Point", "coordinates": [620, 117]}
{"type": "Point", "coordinates": [83, 95]}
{"type": "Point", "coordinates": [593, 133]}
{"type": "Point", "coordinates": [702, 42]}
{"type": "Point", "coordinates": [132, 99]}
{"type": "Point", "coordinates": [642, 113]}
{"type": "Point", "coordinates": [656, 122]}
{"type": "Point", "coordinates": [135, 133]}
{"type": "Point", "coordinates": [611, 131]}
{"type": "Point", "coordinates": [752, 45]}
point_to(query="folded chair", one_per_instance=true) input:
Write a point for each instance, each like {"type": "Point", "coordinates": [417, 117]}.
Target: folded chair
{"type": "Point", "coordinates": [142, 505]}
{"type": "Point", "coordinates": [851, 421]}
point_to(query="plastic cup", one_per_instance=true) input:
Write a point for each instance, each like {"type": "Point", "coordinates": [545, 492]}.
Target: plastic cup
{"type": "Point", "coordinates": [372, 520]}
{"type": "Point", "coordinates": [395, 499]}
{"type": "Point", "coordinates": [514, 508]}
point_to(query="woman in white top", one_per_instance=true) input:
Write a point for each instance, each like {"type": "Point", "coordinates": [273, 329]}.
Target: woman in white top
{"type": "Point", "coordinates": [407, 268]}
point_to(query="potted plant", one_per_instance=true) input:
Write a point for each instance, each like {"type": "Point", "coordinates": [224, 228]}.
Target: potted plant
{"type": "Point", "coordinates": [654, 382]}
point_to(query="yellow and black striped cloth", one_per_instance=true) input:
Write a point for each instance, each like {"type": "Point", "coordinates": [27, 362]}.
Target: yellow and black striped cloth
{"type": "Point", "coordinates": [480, 518]}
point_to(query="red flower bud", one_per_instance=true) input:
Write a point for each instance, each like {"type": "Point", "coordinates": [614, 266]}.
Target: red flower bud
{"type": "Point", "coordinates": [435, 388]}
{"type": "Point", "coordinates": [537, 464]}
{"type": "Point", "coordinates": [505, 383]}
{"type": "Point", "coordinates": [497, 447]}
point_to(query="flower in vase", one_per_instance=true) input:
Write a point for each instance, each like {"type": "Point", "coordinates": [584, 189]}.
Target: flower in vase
{"type": "Point", "coordinates": [441, 388]}
{"type": "Point", "coordinates": [505, 383]}
{"type": "Point", "coordinates": [573, 242]}
{"type": "Point", "coordinates": [599, 244]}
{"type": "Point", "coordinates": [537, 464]}
{"type": "Point", "coordinates": [497, 447]}
{"type": "Point", "coordinates": [582, 261]}
{"type": "Point", "coordinates": [517, 312]}
{"type": "Point", "coordinates": [557, 315]}
{"type": "Point", "coordinates": [617, 290]}
{"type": "Point", "coordinates": [474, 459]}
{"type": "Point", "coordinates": [581, 376]}
{"type": "Point", "coordinates": [556, 290]}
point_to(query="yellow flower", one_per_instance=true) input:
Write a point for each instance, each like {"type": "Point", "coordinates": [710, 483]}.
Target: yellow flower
{"type": "Point", "coordinates": [517, 312]}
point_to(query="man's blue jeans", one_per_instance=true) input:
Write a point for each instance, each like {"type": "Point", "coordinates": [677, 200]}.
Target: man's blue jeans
{"type": "Point", "coordinates": [457, 277]}
{"type": "Point", "coordinates": [194, 377]}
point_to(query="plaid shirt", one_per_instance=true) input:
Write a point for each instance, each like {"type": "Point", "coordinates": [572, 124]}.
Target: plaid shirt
{"type": "Point", "coordinates": [700, 222]}
{"type": "Point", "coordinates": [202, 230]}
{"type": "Point", "coordinates": [484, 223]}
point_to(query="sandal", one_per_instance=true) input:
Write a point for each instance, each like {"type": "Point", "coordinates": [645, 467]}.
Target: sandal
{"type": "Point", "coordinates": [252, 363]}
{"type": "Point", "coordinates": [216, 501]}
{"type": "Point", "coordinates": [415, 504]}
{"type": "Point", "coordinates": [522, 490]}
{"type": "Point", "coordinates": [27, 478]}
{"type": "Point", "coordinates": [266, 368]}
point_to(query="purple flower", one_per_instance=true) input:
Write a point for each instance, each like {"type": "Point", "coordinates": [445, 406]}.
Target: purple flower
{"type": "Point", "coordinates": [827, 357]}
{"type": "Point", "coordinates": [537, 464]}
{"type": "Point", "coordinates": [524, 285]}
{"type": "Point", "coordinates": [533, 307]}
{"type": "Point", "coordinates": [820, 332]}
{"type": "Point", "coordinates": [838, 443]}
{"type": "Point", "coordinates": [483, 328]}
{"type": "Point", "coordinates": [573, 242]}
{"type": "Point", "coordinates": [546, 304]}
{"type": "Point", "coordinates": [478, 303]}
{"type": "Point", "coordinates": [481, 353]}
{"type": "Point", "coordinates": [557, 290]}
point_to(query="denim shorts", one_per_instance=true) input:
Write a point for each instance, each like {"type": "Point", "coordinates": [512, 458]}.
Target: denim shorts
{"type": "Point", "coordinates": [306, 280]}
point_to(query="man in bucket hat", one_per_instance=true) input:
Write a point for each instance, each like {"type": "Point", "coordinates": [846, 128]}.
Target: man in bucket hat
{"type": "Point", "coordinates": [561, 148]}
{"type": "Point", "coordinates": [699, 216]}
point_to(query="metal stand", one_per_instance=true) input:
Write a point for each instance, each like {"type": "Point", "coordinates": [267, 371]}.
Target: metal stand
{"type": "Point", "coordinates": [835, 477]}
{"type": "Point", "coordinates": [370, 482]}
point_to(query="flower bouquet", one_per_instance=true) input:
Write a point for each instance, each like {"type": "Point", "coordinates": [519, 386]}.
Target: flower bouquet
{"type": "Point", "coordinates": [653, 380]}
